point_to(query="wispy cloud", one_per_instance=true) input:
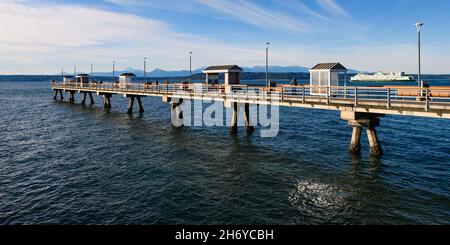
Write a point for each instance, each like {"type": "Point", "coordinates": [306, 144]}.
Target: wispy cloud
{"type": "Point", "coordinates": [301, 7]}
{"type": "Point", "coordinates": [256, 15]}
{"type": "Point", "coordinates": [332, 7]}
{"type": "Point", "coordinates": [166, 5]}
{"type": "Point", "coordinates": [41, 39]}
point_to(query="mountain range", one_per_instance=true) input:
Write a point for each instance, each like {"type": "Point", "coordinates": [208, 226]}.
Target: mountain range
{"type": "Point", "coordinates": [182, 73]}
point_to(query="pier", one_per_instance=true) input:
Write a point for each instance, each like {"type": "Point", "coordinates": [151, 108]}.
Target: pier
{"type": "Point", "coordinates": [361, 107]}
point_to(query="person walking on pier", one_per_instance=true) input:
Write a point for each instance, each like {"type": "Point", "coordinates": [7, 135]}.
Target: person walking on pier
{"type": "Point", "coordinates": [294, 83]}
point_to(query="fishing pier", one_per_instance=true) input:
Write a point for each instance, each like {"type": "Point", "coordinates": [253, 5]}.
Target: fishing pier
{"type": "Point", "coordinates": [361, 107]}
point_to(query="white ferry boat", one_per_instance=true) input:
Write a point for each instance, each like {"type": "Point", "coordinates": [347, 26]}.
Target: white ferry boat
{"type": "Point", "coordinates": [382, 77]}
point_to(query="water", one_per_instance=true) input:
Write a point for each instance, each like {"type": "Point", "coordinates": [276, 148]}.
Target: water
{"type": "Point", "coordinates": [65, 164]}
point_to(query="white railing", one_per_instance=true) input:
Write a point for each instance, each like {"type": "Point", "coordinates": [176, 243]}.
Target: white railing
{"type": "Point", "coordinates": [394, 96]}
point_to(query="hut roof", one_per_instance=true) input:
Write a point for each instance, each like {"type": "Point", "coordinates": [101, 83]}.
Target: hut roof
{"type": "Point", "coordinates": [223, 68]}
{"type": "Point", "coordinates": [329, 66]}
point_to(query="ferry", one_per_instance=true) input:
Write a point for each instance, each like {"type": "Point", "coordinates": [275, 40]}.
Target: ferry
{"type": "Point", "coordinates": [382, 77]}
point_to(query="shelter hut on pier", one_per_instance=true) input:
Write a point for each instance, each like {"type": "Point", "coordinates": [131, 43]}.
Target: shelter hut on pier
{"type": "Point", "coordinates": [68, 79]}
{"type": "Point", "coordinates": [126, 79]}
{"type": "Point", "coordinates": [232, 74]}
{"type": "Point", "coordinates": [82, 78]}
{"type": "Point", "coordinates": [326, 75]}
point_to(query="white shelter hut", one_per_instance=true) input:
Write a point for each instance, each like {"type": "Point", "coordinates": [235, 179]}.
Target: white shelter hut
{"type": "Point", "coordinates": [68, 79]}
{"type": "Point", "coordinates": [326, 75]}
{"type": "Point", "coordinates": [126, 79]}
{"type": "Point", "coordinates": [82, 78]}
{"type": "Point", "coordinates": [232, 74]}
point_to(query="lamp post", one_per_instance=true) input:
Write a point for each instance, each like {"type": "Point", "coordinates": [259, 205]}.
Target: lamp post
{"type": "Point", "coordinates": [145, 69]}
{"type": "Point", "coordinates": [267, 64]}
{"type": "Point", "coordinates": [92, 69]}
{"type": "Point", "coordinates": [74, 72]}
{"type": "Point", "coordinates": [190, 67]}
{"type": "Point", "coordinates": [114, 71]}
{"type": "Point", "coordinates": [62, 73]}
{"type": "Point", "coordinates": [419, 75]}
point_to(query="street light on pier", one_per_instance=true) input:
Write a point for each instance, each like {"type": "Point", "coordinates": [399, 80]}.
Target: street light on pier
{"type": "Point", "coordinates": [145, 69]}
{"type": "Point", "coordinates": [74, 71]}
{"type": "Point", "coordinates": [190, 67]}
{"type": "Point", "coordinates": [92, 68]}
{"type": "Point", "coordinates": [419, 75]}
{"type": "Point", "coordinates": [114, 70]}
{"type": "Point", "coordinates": [267, 64]}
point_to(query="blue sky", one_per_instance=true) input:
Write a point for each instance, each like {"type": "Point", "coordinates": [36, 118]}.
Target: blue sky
{"type": "Point", "coordinates": [41, 36]}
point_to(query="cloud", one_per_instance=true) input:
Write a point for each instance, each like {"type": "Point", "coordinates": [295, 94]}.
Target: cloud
{"type": "Point", "coordinates": [332, 7]}
{"type": "Point", "coordinates": [256, 15]}
{"type": "Point", "coordinates": [40, 39]}
{"type": "Point", "coordinates": [65, 35]}
{"type": "Point", "coordinates": [300, 6]}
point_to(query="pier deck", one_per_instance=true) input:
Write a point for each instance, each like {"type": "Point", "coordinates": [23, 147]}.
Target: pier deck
{"type": "Point", "coordinates": [431, 102]}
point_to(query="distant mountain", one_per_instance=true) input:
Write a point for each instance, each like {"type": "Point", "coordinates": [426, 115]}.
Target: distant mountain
{"type": "Point", "coordinates": [277, 69]}
{"type": "Point", "coordinates": [155, 73]}
{"type": "Point", "coordinates": [183, 73]}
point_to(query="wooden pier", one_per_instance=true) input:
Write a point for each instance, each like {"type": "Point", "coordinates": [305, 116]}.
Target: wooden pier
{"type": "Point", "coordinates": [362, 107]}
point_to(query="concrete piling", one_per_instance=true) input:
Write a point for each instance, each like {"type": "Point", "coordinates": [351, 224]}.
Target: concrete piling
{"type": "Point", "coordinates": [141, 108]}
{"type": "Point", "coordinates": [234, 118]}
{"type": "Point", "coordinates": [107, 101]}
{"type": "Point", "coordinates": [247, 119]}
{"type": "Point", "coordinates": [72, 96]}
{"type": "Point", "coordinates": [375, 147]}
{"type": "Point", "coordinates": [83, 101]}
{"type": "Point", "coordinates": [359, 120]}
{"type": "Point", "coordinates": [130, 105]}
{"type": "Point", "coordinates": [355, 145]}
{"type": "Point", "coordinates": [176, 113]}
{"type": "Point", "coordinates": [91, 98]}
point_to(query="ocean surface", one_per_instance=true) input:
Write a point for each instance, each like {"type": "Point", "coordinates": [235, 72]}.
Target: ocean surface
{"type": "Point", "coordinates": [68, 164]}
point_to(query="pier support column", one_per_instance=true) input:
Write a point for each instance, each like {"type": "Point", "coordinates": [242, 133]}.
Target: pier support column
{"type": "Point", "coordinates": [83, 102]}
{"type": "Point", "coordinates": [60, 92]}
{"type": "Point", "coordinates": [359, 120]}
{"type": "Point", "coordinates": [130, 105]}
{"type": "Point", "coordinates": [91, 98]}
{"type": "Point", "coordinates": [176, 113]}
{"type": "Point", "coordinates": [247, 119]}
{"type": "Point", "coordinates": [107, 101]}
{"type": "Point", "coordinates": [355, 146]}
{"type": "Point", "coordinates": [234, 118]}
{"type": "Point", "coordinates": [72, 97]}
{"type": "Point", "coordinates": [141, 108]}
{"type": "Point", "coordinates": [375, 147]}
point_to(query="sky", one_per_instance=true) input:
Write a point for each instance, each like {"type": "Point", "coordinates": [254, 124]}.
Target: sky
{"type": "Point", "coordinates": [43, 36]}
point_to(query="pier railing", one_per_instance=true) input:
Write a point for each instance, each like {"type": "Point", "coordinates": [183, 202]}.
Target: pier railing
{"type": "Point", "coordinates": [387, 97]}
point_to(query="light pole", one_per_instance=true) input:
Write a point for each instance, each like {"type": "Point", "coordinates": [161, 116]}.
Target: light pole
{"type": "Point", "coordinates": [419, 75]}
{"type": "Point", "coordinates": [62, 73]}
{"type": "Point", "coordinates": [114, 71]}
{"type": "Point", "coordinates": [190, 67]}
{"type": "Point", "coordinates": [74, 72]}
{"type": "Point", "coordinates": [267, 64]}
{"type": "Point", "coordinates": [145, 69]}
{"type": "Point", "coordinates": [92, 68]}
